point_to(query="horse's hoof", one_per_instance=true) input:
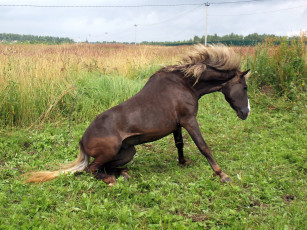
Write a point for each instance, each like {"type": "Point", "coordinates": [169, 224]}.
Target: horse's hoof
{"type": "Point", "coordinates": [125, 175]}
{"type": "Point", "coordinates": [186, 162]}
{"type": "Point", "coordinates": [226, 180]}
{"type": "Point", "coordinates": [111, 184]}
{"type": "Point", "coordinates": [108, 179]}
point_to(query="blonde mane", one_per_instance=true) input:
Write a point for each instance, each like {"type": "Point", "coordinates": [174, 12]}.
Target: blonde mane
{"type": "Point", "coordinates": [195, 63]}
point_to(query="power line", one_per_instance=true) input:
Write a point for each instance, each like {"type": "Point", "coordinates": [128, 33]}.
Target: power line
{"type": "Point", "coordinates": [98, 6]}
{"type": "Point", "coordinates": [126, 6]}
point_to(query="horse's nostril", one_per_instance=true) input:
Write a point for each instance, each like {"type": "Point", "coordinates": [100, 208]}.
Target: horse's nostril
{"type": "Point", "coordinates": [244, 111]}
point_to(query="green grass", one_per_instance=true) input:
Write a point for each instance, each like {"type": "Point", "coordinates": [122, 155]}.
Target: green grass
{"type": "Point", "coordinates": [264, 155]}
{"type": "Point", "coordinates": [78, 100]}
{"type": "Point", "coordinates": [97, 93]}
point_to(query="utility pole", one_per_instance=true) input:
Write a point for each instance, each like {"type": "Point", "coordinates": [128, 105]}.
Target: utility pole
{"type": "Point", "coordinates": [106, 33]}
{"type": "Point", "coordinates": [135, 34]}
{"type": "Point", "coordinates": [206, 4]}
{"type": "Point", "coordinates": [88, 39]}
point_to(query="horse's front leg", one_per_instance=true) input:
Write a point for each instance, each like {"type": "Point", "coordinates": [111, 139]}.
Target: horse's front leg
{"type": "Point", "coordinates": [192, 127]}
{"type": "Point", "coordinates": [179, 144]}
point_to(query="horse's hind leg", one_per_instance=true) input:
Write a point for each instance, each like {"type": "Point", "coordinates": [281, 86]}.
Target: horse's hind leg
{"type": "Point", "coordinates": [103, 150]}
{"type": "Point", "coordinates": [179, 145]}
{"type": "Point", "coordinates": [124, 156]}
{"type": "Point", "coordinates": [94, 169]}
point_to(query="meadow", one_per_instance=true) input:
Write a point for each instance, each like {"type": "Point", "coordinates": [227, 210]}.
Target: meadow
{"type": "Point", "coordinates": [50, 94]}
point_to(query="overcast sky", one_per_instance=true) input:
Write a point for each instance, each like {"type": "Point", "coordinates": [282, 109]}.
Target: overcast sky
{"type": "Point", "coordinates": [154, 23]}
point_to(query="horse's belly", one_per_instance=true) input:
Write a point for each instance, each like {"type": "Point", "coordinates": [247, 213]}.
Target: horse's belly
{"type": "Point", "coordinates": [136, 139]}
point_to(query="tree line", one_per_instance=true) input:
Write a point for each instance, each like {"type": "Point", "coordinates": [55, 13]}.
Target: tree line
{"type": "Point", "coordinates": [230, 39]}
{"type": "Point", "coordinates": [32, 39]}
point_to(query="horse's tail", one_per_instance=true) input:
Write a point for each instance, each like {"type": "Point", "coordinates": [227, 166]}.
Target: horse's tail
{"type": "Point", "coordinates": [78, 165]}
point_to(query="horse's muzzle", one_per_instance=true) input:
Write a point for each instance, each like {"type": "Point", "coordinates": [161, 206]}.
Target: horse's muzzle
{"type": "Point", "coordinates": [243, 113]}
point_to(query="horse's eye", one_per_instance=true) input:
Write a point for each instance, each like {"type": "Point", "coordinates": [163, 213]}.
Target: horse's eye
{"type": "Point", "coordinates": [245, 88]}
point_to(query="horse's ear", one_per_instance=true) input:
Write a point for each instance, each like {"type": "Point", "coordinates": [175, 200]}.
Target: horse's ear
{"type": "Point", "coordinates": [246, 73]}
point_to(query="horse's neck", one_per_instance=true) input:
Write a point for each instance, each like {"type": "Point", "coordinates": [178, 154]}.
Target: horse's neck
{"type": "Point", "coordinates": [206, 87]}
{"type": "Point", "coordinates": [211, 81]}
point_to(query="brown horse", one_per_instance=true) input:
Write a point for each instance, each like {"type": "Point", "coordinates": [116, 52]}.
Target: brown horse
{"type": "Point", "coordinates": [168, 102]}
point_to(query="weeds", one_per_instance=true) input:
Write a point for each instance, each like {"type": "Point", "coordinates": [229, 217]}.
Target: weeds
{"type": "Point", "coordinates": [281, 67]}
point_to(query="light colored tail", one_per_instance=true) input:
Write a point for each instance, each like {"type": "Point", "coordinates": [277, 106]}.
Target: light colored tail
{"type": "Point", "coordinates": [77, 166]}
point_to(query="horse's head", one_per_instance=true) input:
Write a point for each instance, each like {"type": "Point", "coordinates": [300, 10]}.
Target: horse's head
{"type": "Point", "coordinates": [235, 92]}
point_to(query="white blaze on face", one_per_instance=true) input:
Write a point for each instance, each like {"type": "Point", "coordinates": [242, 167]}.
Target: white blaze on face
{"type": "Point", "coordinates": [248, 106]}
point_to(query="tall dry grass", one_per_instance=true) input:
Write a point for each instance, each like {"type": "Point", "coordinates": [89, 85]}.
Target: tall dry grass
{"type": "Point", "coordinates": [47, 83]}
{"type": "Point", "coordinates": [38, 81]}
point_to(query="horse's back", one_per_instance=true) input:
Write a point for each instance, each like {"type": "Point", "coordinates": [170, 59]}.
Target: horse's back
{"type": "Point", "coordinates": [151, 114]}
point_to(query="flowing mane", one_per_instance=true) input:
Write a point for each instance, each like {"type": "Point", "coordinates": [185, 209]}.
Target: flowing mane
{"type": "Point", "coordinates": [195, 63]}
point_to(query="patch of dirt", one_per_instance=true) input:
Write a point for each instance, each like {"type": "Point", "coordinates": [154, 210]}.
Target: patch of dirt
{"type": "Point", "coordinates": [195, 217]}
{"type": "Point", "coordinates": [267, 90]}
{"type": "Point", "coordinates": [31, 153]}
{"type": "Point", "coordinates": [255, 203]}
{"type": "Point", "coordinates": [26, 145]}
{"type": "Point", "coordinates": [198, 218]}
{"type": "Point", "coordinates": [288, 198]}
{"type": "Point", "coordinates": [148, 146]}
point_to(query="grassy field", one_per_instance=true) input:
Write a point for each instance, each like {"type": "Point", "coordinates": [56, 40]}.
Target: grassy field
{"type": "Point", "coordinates": [264, 155]}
